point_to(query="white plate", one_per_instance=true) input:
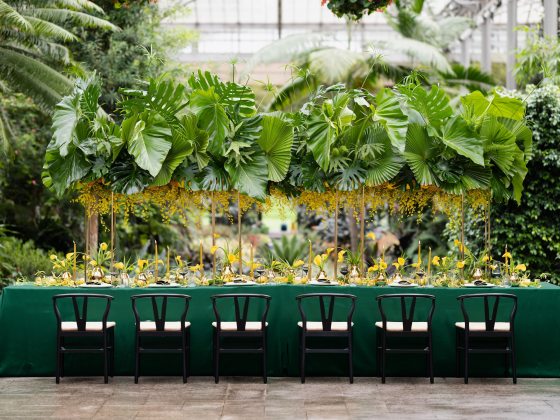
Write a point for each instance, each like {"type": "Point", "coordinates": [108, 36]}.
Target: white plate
{"type": "Point", "coordinates": [164, 285]}
{"type": "Point", "coordinates": [402, 285]}
{"type": "Point", "coordinates": [97, 286]}
{"type": "Point", "coordinates": [322, 283]}
{"type": "Point", "coordinates": [240, 283]}
{"type": "Point", "coordinates": [481, 286]}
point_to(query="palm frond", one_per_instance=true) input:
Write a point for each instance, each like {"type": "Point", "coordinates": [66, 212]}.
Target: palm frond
{"type": "Point", "coordinates": [292, 93]}
{"type": "Point", "coordinates": [78, 18]}
{"type": "Point", "coordinates": [80, 5]}
{"type": "Point", "coordinates": [10, 16]}
{"type": "Point", "coordinates": [330, 71]}
{"type": "Point", "coordinates": [37, 80]}
{"type": "Point", "coordinates": [418, 52]}
{"type": "Point", "coordinates": [43, 28]}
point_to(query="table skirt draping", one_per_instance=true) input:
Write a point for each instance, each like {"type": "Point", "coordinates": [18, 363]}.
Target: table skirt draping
{"type": "Point", "coordinates": [28, 331]}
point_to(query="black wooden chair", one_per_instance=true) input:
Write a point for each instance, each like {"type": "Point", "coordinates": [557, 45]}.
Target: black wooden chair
{"type": "Point", "coordinates": [472, 337]}
{"type": "Point", "coordinates": [405, 326]}
{"type": "Point", "coordinates": [80, 325]}
{"type": "Point", "coordinates": [161, 327]}
{"type": "Point", "coordinates": [326, 327]}
{"type": "Point", "coordinates": [241, 328]}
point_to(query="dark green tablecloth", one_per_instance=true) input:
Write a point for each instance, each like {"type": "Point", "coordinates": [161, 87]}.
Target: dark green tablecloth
{"type": "Point", "coordinates": [27, 328]}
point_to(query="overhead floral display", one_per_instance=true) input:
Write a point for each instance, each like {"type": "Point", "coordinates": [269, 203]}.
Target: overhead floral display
{"type": "Point", "coordinates": [179, 143]}
{"type": "Point", "coordinates": [355, 9]}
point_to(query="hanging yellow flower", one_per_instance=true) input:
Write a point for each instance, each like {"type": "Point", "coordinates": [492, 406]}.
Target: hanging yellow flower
{"type": "Point", "coordinates": [506, 255]}
{"type": "Point", "coordinates": [341, 256]}
{"type": "Point", "coordinates": [460, 264]}
{"type": "Point", "coordinates": [520, 267]}
{"type": "Point", "coordinates": [103, 246]}
{"type": "Point", "coordinates": [329, 251]}
{"type": "Point", "coordinates": [298, 263]}
{"type": "Point", "coordinates": [435, 260]}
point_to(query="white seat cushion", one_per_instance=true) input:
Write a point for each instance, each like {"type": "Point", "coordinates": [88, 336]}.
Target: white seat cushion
{"type": "Point", "coordinates": [481, 326]}
{"type": "Point", "coordinates": [90, 326]}
{"type": "Point", "coordinates": [398, 326]}
{"type": "Point", "coordinates": [169, 326]}
{"type": "Point", "coordinates": [318, 326]}
{"type": "Point", "coordinates": [232, 326]}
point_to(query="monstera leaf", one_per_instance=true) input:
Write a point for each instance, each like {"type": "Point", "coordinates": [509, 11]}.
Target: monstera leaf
{"type": "Point", "coordinates": [214, 177]}
{"type": "Point", "coordinates": [390, 115]}
{"type": "Point", "coordinates": [477, 106]}
{"type": "Point", "coordinates": [212, 117]}
{"type": "Point", "coordinates": [61, 171]}
{"type": "Point", "coordinates": [457, 135]}
{"type": "Point", "coordinates": [431, 107]}
{"type": "Point", "coordinates": [148, 139]}
{"type": "Point", "coordinates": [419, 154]}
{"type": "Point", "coordinates": [276, 141]}
{"type": "Point", "coordinates": [126, 177]}
{"type": "Point", "coordinates": [322, 135]}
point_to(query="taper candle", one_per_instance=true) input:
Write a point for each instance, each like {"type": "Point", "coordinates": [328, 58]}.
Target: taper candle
{"type": "Point", "coordinates": [419, 254]}
{"type": "Point", "coordinates": [429, 260]}
{"type": "Point", "coordinates": [167, 271]}
{"type": "Point", "coordinates": [251, 261]}
{"type": "Point", "coordinates": [156, 261]}
{"type": "Point", "coordinates": [201, 262]}
{"type": "Point", "coordinates": [75, 271]}
{"type": "Point", "coordinates": [310, 263]}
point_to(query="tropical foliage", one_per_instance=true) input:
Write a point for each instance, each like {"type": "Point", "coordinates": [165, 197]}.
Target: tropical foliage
{"type": "Point", "coordinates": [538, 60]}
{"type": "Point", "coordinates": [354, 9]}
{"type": "Point", "coordinates": [33, 51]}
{"type": "Point", "coordinates": [206, 135]}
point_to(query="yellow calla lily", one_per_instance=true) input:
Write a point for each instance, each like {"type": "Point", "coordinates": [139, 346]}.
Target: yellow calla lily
{"type": "Point", "coordinates": [371, 236]}
{"type": "Point", "coordinates": [103, 246]}
{"type": "Point", "coordinates": [214, 249]}
{"type": "Point", "coordinates": [231, 258]}
{"type": "Point", "coordinates": [506, 255]}
{"type": "Point", "coordinates": [460, 264]}
{"type": "Point", "coordinates": [119, 266]}
{"type": "Point", "coordinates": [318, 260]}
{"type": "Point", "coordinates": [401, 261]}
{"type": "Point", "coordinates": [329, 251]}
{"type": "Point", "coordinates": [435, 260]}
{"type": "Point", "coordinates": [341, 256]}
{"type": "Point", "coordinates": [521, 267]}
{"type": "Point", "coordinates": [53, 257]}
{"type": "Point", "coordinates": [486, 258]}
{"type": "Point", "coordinates": [298, 263]}
{"type": "Point", "coordinates": [396, 265]}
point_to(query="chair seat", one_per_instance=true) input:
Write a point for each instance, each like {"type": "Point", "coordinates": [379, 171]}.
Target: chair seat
{"type": "Point", "coordinates": [481, 326]}
{"type": "Point", "coordinates": [318, 326]}
{"type": "Point", "coordinates": [232, 326]}
{"type": "Point", "coordinates": [90, 326]}
{"type": "Point", "coordinates": [398, 326]}
{"type": "Point", "coordinates": [171, 326]}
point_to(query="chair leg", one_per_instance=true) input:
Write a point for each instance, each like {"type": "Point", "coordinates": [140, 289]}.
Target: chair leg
{"type": "Point", "coordinates": [216, 357]}
{"type": "Point", "coordinates": [105, 359]}
{"type": "Point", "coordinates": [466, 356]}
{"type": "Point", "coordinates": [513, 360]}
{"type": "Point", "coordinates": [378, 354]}
{"type": "Point", "coordinates": [302, 357]}
{"type": "Point", "coordinates": [383, 356]}
{"type": "Point", "coordinates": [507, 356]}
{"type": "Point", "coordinates": [350, 364]}
{"type": "Point", "coordinates": [58, 361]}
{"type": "Point", "coordinates": [137, 359]}
{"type": "Point", "coordinates": [184, 353]}
{"type": "Point", "coordinates": [430, 359]}
{"type": "Point", "coordinates": [265, 375]}
{"type": "Point", "coordinates": [457, 353]}
{"type": "Point", "coordinates": [112, 352]}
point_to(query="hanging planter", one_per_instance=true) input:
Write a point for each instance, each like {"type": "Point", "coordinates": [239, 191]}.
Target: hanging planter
{"type": "Point", "coordinates": [355, 9]}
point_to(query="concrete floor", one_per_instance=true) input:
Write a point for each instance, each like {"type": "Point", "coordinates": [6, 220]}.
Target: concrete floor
{"type": "Point", "coordinates": [246, 398]}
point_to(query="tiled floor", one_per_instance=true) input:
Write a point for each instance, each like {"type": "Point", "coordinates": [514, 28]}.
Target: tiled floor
{"type": "Point", "coordinates": [246, 398]}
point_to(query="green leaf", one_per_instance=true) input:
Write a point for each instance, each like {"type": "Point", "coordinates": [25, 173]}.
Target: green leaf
{"type": "Point", "coordinates": [385, 164]}
{"type": "Point", "coordinates": [419, 154]}
{"type": "Point", "coordinates": [479, 106]}
{"type": "Point", "coordinates": [499, 144]}
{"type": "Point", "coordinates": [321, 137]}
{"type": "Point", "coordinates": [65, 170]}
{"type": "Point", "coordinates": [390, 115]}
{"type": "Point", "coordinates": [250, 178]}
{"type": "Point", "coordinates": [276, 141]}
{"type": "Point", "coordinates": [147, 141]}
{"type": "Point", "coordinates": [212, 117]}
{"type": "Point", "coordinates": [433, 106]}
{"type": "Point", "coordinates": [457, 135]}
{"type": "Point", "coordinates": [65, 120]}
{"type": "Point", "coordinates": [215, 178]}
{"type": "Point", "coordinates": [128, 178]}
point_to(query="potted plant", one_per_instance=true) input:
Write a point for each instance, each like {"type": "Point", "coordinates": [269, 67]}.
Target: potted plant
{"type": "Point", "coordinates": [355, 9]}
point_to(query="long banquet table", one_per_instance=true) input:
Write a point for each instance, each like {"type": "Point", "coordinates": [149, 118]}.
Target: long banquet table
{"type": "Point", "coordinates": [28, 329]}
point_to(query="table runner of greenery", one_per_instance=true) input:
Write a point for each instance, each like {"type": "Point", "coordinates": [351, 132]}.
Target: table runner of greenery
{"type": "Point", "coordinates": [28, 330]}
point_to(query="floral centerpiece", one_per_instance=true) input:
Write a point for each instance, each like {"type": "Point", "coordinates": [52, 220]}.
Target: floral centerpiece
{"type": "Point", "coordinates": [355, 9]}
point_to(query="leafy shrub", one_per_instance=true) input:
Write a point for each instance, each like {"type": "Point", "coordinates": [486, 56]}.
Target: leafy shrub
{"type": "Point", "coordinates": [532, 229]}
{"type": "Point", "coordinates": [21, 259]}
